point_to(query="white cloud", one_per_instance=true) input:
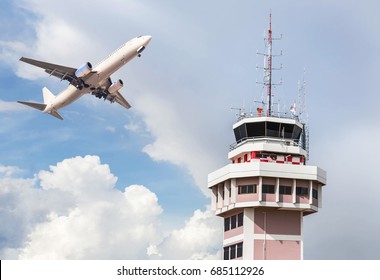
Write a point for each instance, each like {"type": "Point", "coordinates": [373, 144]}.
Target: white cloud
{"type": "Point", "coordinates": [9, 171]}
{"type": "Point", "coordinates": [10, 50]}
{"type": "Point", "coordinates": [77, 213]}
{"type": "Point", "coordinates": [99, 221]}
{"type": "Point", "coordinates": [133, 127]}
{"type": "Point", "coordinates": [200, 238]}
{"type": "Point", "coordinates": [111, 129]}
{"type": "Point", "coordinates": [178, 138]}
{"type": "Point", "coordinates": [78, 176]}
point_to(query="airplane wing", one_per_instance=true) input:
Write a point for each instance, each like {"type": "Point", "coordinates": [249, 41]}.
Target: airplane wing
{"type": "Point", "coordinates": [59, 71]}
{"type": "Point", "coordinates": [116, 96]}
{"type": "Point", "coordinates": [111, 97]}
{"type": "Point", "coordinates": [121, 100]}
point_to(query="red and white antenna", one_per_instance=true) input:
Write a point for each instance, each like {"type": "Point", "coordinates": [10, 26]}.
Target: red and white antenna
{"type": "Point", "coordinates": [268, 67]}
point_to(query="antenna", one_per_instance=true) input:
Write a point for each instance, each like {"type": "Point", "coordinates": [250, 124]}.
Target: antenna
{"type": "Point", "coordinates": [241, 115]}
{"type": "Point", "coordinates": [269, 84]}
{"type": "Point", "coordinates": [268, 67]}
{"type": "Point", "coordinates": [303, 117]}
{"type": "Point", "coordinates": [302, 96]}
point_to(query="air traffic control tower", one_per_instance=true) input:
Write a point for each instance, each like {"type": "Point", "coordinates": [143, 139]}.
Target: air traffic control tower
{"type": "Point", "coordinates": [267, 188]}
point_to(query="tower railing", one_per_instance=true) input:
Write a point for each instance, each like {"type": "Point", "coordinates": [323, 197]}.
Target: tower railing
{"type": "Point", "coordinates": [283, 141]}
{"type": "Point", "coordinates": [280, 115]}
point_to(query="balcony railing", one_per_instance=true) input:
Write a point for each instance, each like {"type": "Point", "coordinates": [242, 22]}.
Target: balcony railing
{"type": "Point", "coordinates": [287, 142]}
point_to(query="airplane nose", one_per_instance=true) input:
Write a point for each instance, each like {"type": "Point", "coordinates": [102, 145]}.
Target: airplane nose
{"type": "Point", "coordinates": [147, 39]}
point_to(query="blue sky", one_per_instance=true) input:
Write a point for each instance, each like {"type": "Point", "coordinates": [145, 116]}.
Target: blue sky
{"type": "Point", "coordinates": [200, 63]}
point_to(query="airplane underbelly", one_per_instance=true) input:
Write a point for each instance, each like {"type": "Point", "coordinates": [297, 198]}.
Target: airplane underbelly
{"type": "Point", "coordinates": [67, 97]}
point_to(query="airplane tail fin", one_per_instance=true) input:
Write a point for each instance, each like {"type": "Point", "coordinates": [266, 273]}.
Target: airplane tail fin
{"type": "Point", "coordinates": [48, 95]}
{"type": "Point", "coordinates": [48, 99]}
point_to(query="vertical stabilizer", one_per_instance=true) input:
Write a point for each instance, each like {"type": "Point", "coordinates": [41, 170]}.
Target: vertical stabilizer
{"type": "Point", "coordinates": [48, 96]}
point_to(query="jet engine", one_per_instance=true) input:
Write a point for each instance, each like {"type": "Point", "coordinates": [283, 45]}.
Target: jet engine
{"type": "Point", "coordinates": [84, 70]}
{"type": "Point", "coordinates": [115, 86]}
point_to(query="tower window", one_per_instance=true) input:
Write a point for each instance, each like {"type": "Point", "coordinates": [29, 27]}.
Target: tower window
{"type": "Point", "coordinates": [233, 251]}
{"type": "Point", "coordinates": [273, 129]}
{"type": "Point", "coordinates": [285, 190]}
{"type": "Point", "coordinates": [233, 221]}
{"type": "Point", "coordinates": [227, 224]}
{"type": "Point", "coordinates": [268, 188]}
{"type": "Point", "coordinates": [315, 193]}
{"type": "Point", "coordinates": [302, 191]}
{"type": "Point", "coordinates": [239, 252]}
{"type": "Point", "coordinates": [256, 129]}
{"type": "Point", "coordinates": [226, 252]}
{"type": "Point", "coordinates": [243, 189]}
{"type": "Point", "coordinates": [240, 219]}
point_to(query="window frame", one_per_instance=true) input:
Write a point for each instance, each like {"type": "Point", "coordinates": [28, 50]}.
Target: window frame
{"type": "Point", "coordinates": [240, 219]}
{"type": "Point", "coordinates": [239, 250]}
{"type": "Point", "coordinates": [300, 191]}
{"type": "Point", "coordinates": [247, 189]}
{"type": "Point", "coordinates": [226, 253]}
{"type": "Point", "coordinates": [266, 189]}
{"type": "Point", "coordinates": [232, 251]}
{"type": "Point", "coordinates": [227, 223]}
{"type": "Point", "coordinates": [284, 190]}
{"type": "Point", "coordinates": [233, 222]}
{"type": "Point", "coordinates": [315, 193]}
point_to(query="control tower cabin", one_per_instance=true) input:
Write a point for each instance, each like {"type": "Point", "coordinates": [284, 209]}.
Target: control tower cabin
{"type": "Point", "coordinates": [267, 188]}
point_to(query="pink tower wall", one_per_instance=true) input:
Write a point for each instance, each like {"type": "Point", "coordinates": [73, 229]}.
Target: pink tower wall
{"type": "Point", "coordinates": [278, 250]}
{"type": "Point", "coordinates": [278, 222]}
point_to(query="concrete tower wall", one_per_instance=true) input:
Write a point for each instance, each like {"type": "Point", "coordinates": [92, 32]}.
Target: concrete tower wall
{"type": "Point", "coordinates": [263, 205]}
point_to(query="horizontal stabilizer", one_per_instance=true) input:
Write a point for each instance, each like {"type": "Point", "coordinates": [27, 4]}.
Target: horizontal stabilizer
{"type": "Point", "coordinates": [37, 106]}
{"type": "Point", "coordinates": [41, 107]}
{"type": "Point", "coordinates": [55, 114]}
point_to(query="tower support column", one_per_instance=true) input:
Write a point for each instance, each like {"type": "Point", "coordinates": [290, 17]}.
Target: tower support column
{"type": "Point", "coordinates": [248, 232]}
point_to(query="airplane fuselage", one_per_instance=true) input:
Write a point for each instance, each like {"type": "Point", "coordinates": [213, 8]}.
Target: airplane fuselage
{"type": "Point", "coordinates": [100, 73]}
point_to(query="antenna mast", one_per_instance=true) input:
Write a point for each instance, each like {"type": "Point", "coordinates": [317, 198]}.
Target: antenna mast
{"type": "Point", "coordinates": [269, 68]}
{"type": "Point", "coordinates": [302, 98]}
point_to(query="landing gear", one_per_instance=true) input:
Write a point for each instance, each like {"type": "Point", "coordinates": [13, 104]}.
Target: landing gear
{"type": "Point", "coordinates": [81, 84]}
{"type": "Point", "coordinates": [100, 93]}
{"type": "Point", "coordinates": [140, 50]}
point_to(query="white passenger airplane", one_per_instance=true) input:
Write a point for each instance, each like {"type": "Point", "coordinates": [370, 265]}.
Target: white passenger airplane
{"type": "Point", "coordinates": [86, 79]}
